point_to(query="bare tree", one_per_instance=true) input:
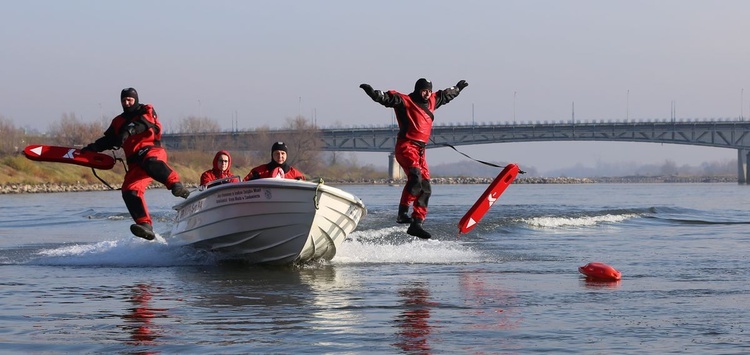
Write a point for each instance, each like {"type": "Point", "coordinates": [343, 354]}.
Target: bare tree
{"type": "Point", "coordinates": [300, 136]}
{"type": "Point", "coordinates": [334, 154]}
{"type": "Point", "coordinates": [208, 141]}
{"type": "Point", "coordinates": [304, 142]}
{"type": "Point", "coordinates": [669, 168]}
{"type": "Point", "coordinates": [262, 143]}
{"type": "Point", "coordinates": [69, 131]}
{"type": "Point", "coordinates": [12, 139]}
{"type": "Point", "coordinates": [194, 124]}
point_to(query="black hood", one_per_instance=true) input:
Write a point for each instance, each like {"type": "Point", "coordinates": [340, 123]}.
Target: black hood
{"type": "Point", "coordinates": [420, 85]}
{"type": "Point", "coordinates": [273, 164]}
{"type": "Point", "coordinates": [130, 92]}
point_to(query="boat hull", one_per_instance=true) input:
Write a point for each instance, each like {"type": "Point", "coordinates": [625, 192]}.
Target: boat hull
{"type": "Point", "coordinates": [274, 221]}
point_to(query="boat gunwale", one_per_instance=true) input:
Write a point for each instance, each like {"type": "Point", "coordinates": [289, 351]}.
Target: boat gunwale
{"type": "Point", "coordinates": [272, 183]}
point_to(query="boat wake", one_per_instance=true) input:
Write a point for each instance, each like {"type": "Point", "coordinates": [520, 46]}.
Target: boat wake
{"type": "Point", "coordinates": [681, 216]}
{"type": "Point", "coordinates": [126, 252]}
{"type": "Point", "coordinates": [376, 246]}
{"type": "Point", "coordinates": [393, 245]}
{"type": "Point", "coordinates": [576, 221]}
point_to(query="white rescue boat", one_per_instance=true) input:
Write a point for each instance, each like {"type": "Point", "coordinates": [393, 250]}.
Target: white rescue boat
{"type": "Point", "coordinates": [270, 221]}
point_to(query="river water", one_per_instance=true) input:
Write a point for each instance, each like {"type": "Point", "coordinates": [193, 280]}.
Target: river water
{"type": "Point", "coordinates": [73, 279]}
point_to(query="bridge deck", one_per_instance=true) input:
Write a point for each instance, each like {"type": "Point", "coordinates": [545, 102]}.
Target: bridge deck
{"type": "Point", "coordinates": [713, 133]}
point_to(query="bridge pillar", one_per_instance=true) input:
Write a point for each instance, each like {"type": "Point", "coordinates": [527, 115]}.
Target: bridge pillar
{"type": "Point", "coordinates": [394, 170]}
{"type": "Point", "coordinates": [743, 156]}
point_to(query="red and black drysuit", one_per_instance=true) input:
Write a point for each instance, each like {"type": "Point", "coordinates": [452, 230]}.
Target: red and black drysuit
{"type": "Point", "coordinates": [274, 170]}
{"type": "Point", "coordinates": [415, 118]}
{"type": "Point", "coordinates": [216, 173]}
{"type": "Point", "coordinates": [138, 132]}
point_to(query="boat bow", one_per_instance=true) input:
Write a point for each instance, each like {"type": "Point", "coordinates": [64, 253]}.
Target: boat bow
{"type": "Point", "coordinates": [276, 221]}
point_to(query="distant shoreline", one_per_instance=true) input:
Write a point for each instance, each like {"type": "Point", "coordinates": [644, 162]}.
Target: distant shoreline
{"type": "Point", "coordinates": [15, 188]}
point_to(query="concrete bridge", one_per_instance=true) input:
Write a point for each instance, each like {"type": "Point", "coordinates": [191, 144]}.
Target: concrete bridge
{"type": "Point", "coordinates": [721, 133]}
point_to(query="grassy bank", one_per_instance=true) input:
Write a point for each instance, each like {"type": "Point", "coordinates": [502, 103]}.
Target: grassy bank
{"type": "Point", "coordinates": [18, 174]}
{"type": "Point", "coordinates": [17, 170]}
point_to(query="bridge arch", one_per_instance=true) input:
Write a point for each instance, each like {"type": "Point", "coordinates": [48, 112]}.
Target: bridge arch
{"type": "Point", "coordinates": [731, 134]}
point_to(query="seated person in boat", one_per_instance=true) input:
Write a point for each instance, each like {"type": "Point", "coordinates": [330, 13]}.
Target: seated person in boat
{"type": "Point", "coordinates": [220, 173]}
{"type": "Point", "coordinates": [277, 168]}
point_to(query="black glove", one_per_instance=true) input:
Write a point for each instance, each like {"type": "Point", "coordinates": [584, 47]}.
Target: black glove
{"type": "Point", "coordinates": [373, 94]}
{"type": "Point", "coordinates": [90, 148]}
{"type": "Point", "coordinates": [462, 84]}
{"type": "Point", "coordinates": [368, 89]}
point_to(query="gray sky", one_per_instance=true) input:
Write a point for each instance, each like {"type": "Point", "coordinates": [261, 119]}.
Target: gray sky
{"type": "Point", "coordinates": [265, 61]}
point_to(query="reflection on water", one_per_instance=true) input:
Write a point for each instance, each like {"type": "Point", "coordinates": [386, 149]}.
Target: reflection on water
{"type": "Point", "coordinates": [508, 287]}
{"type": "Point", "coordinates": [491, 305]}
{"type": "Point", "coordinates": [259, 289]}
{"type": "Point", "coordinates": [320, 275]}
{"type": "Point", "coordinates": [138, 320]}
{"type": "Point", "coordinates": [335, 306]}
{"type": "Point", "coordinates": [413, 321]}
{"type": "Point", "coordinates": [593, 283]}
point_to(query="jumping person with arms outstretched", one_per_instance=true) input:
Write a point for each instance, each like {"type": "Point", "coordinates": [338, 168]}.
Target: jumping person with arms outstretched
{"type": "Point", "coordinates": [138, 132]}
{"type": "Point", "coordinates": [414, 113]}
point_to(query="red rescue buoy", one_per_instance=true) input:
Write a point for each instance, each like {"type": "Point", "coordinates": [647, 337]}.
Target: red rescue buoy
{"type": "Point", "coordinates": [68, 155]}
{"type": "Point", "coordinates": [488, 198]}
{"type": "Point", "coordinates": [600, 272]}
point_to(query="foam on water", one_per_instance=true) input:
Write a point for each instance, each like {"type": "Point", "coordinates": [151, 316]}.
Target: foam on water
{"type": "Point", "coordinates": [124, 252]}
{"type": "Point", "coordinates": [384, 245]}
{"type": "Point", "coordinates": [392, 245]}
{"type": "Point", "coordinates": [583, 221]}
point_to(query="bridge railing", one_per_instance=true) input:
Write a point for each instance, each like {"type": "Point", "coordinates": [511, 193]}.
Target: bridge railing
{"type": "Point", "coordinates": [721, 132]}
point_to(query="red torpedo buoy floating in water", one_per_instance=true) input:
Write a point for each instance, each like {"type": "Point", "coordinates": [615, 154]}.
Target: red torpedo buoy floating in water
{"type": "Point", "coordinates": [488, 198]}
{"type": "Point", "coordinates": [600, 272]}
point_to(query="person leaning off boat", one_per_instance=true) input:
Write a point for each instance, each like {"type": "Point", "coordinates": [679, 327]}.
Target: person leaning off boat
{"type": "Point", "coordinates": [414, 113]}
{"type": "Point", "coordinates": [220, 171]}
{"type": "Point", "coordinates": [277, 168]}
{"type": "Point", "coordinates": [138, 132]}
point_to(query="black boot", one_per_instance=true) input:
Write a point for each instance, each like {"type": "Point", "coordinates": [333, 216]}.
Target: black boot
{"type": "Point", "coordinates": [180, 191]}
{"type": "Point", "coordinates": [403, 214]}
{"type": "Point", "coordinates": [143, 230]}
{"type": "Point", "coordinates": [416, 230]}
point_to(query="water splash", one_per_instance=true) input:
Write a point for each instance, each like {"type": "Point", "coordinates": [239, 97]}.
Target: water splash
{"type": "Point", "coordinates": [579, 221]}
{"type": "Point", "coordinates": [393, 245]}
{"type": "Point", "coordinates": [125, 252]}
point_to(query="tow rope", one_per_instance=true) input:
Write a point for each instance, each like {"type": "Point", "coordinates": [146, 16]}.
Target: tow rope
{"type": "Point", "coordinates": [476, 160]}
{"type": "Point", "coordinates": [124, 166]}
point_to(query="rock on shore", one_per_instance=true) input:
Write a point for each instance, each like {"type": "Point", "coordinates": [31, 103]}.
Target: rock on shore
{"type": "Point", "coordinates": [54, 187]}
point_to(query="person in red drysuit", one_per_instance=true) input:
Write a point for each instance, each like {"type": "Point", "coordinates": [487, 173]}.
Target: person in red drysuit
{"type": "Point", "coordinates": [138, 132]}
{"type": "Point", "coordinates": [221, 170]}
{"type": "Point", "coordinates": [414, 113]}
{"type": "Point", "coordinates": [277, 168]}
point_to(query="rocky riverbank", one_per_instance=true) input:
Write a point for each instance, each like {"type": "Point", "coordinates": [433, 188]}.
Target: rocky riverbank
{"type": "Point", "coordinates": [49, 187]}
{"type": "Point", "coordinates": [471, 180]}
{"type": "Point", "coordinates": [53, 187]}
{"type": "Point", "coordinates": [56, 187]}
